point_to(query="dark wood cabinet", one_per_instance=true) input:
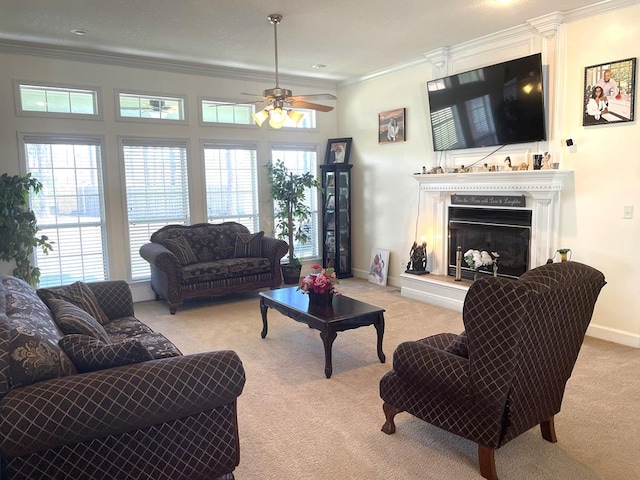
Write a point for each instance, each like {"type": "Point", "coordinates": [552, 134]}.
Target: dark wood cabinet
{"type": "Point", "coordinates": [336, 218]}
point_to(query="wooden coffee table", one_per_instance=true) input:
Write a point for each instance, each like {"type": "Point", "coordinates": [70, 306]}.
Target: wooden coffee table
{"type": "Point", "coordinates": [344, 314]}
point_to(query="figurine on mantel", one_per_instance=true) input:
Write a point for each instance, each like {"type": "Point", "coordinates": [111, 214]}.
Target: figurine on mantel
{"type": "Point", "coordinates": [546, 161]}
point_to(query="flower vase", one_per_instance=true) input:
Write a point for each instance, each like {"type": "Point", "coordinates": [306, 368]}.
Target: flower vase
{"type": "Point", "coordinates": [475, 275]}
{"type": "Point", "coordinates": [320, 299]}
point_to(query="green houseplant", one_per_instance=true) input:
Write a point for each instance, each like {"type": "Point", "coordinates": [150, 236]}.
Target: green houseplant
{"type": "Point", "coordinates": [18, 226]}
{"type": "Point", "coordinates": [288, 190]}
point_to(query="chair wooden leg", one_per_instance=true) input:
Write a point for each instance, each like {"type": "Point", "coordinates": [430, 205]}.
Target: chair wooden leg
{"type": "Point", "coordinates": [487, 462]}
{"type": "Point", "coordinates": [390, 412]}
{"type": "Point", "coordinates": [548, 430]}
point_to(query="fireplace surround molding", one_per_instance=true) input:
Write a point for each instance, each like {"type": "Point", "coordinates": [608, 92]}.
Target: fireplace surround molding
{"type": "Point", "coordinates": [541, 189]}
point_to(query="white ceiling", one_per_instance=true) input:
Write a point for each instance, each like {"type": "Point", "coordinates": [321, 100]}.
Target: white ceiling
{"type": "Point", "coordinates": [352, 38]}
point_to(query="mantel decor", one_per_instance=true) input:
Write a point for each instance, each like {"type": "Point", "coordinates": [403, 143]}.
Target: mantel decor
{"type": "Point", "coordinates": [609, 92]}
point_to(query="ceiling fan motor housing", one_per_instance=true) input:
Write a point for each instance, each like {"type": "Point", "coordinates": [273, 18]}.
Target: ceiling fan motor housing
{"type": "Point", "coordinates": [277, 92]}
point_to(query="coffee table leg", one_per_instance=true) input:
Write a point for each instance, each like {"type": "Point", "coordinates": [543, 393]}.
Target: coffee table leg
{"type": "Point", "coordinates": [263, 311]}
{"type": "Point", "coordinates": [380, 331]}
{"type": "Point", "coordinates": [327, 339]}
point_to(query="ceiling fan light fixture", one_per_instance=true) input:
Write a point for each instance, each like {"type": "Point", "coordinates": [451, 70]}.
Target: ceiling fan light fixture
{"type": "Point", "coordinates": [296, 116]}
{"type": "Point", "coordinates": [260, 117]}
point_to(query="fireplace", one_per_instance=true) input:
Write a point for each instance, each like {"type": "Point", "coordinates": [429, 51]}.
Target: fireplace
{"type": "Point", "coordinates": [504, 231]}
{"type": "Point", "coordinates": [538, 217]}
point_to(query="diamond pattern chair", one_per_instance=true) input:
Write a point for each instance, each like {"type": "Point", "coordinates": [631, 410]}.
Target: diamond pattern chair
{"type": "Point", "coordinates": [507, 372]}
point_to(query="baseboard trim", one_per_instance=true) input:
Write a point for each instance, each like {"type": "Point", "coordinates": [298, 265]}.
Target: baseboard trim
{"type": "Point", "coordinates": [614, 335]}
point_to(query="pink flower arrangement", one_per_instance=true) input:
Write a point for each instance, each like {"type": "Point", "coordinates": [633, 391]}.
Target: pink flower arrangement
{"type": "Point", "coordinates": [321, 281]}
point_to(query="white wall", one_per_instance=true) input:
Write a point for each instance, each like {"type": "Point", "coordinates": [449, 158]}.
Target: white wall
{"type": "Point", "coordinates": [110, 77]}
{"type": "Point", "coordinates": [606, 174]}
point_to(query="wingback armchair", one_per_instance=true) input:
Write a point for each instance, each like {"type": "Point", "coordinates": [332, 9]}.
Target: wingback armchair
{"type": "Point", "coordinates": [507, 371]}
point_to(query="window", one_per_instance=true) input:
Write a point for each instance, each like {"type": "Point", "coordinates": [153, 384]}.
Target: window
{"type": "Point", "coordinates": [57, 101]}
{"type": "Point", "coordinates": [212, 111]}
{"type": "Point", "coordinates": [69, 208]}
{"type": "Point", "coordinates": [301, 159]}
{"type": "Point", "coordinates": [156, 192]}
{"type": "Point", "coordinates": [132, 106]}
{"type": "Point", "coordinates": [231, 176]}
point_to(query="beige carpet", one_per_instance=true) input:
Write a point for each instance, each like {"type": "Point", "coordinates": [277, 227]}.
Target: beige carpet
{"type": "Point", "coordinates": [296, 424]}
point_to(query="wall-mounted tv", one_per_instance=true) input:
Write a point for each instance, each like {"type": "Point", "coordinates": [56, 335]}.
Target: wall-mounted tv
{"type": "Point", "coordinates": [496, 105]}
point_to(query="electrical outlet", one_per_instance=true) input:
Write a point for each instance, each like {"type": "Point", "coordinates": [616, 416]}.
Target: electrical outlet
{"type": "Point", "coordinates": [627, 212]}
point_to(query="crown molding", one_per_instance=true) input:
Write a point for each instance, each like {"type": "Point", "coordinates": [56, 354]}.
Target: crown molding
{"type": "Point", "coordinates": [133, 61]}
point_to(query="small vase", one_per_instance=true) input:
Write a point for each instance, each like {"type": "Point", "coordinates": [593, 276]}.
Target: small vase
{"type": "Point", "coordinates": [320, 299]}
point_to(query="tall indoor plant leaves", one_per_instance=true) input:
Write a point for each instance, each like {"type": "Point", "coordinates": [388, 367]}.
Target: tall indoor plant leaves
{"type": "Point", "coordinates": [18, 226]}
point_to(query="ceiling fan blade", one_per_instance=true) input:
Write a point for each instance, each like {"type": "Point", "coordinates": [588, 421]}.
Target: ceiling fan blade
{"type": "Point", "coordinates": [310, 106]}
{"type": "Point", "coordinates": [314, 96]}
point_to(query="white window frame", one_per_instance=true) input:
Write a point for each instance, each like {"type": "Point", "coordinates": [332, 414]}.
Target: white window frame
{"type": "Point", "coordinates": [52, 139]}
{"type": "Point", "coordinates": [49, 86]}
{"type": "Point", "coordinates": [157, 223]}
{"type": "Point", "coordinates": [255, 216]}
{"type": "Point", "coordinates": [152, 96]}
{"type": "Point", "coordinates": [206, 123]}
{"type": "Point", "coordinates": [310, 250]}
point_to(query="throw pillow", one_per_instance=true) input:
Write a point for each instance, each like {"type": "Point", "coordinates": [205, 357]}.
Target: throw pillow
{"type": "Point", "coordinates": [80, 295]}
{"type": "Point", "coordinates": [248, 245]}
{"type": "Point", "coordinates": [180, 247]}
{"type": "Point", "coordinates": [72, 319]}
{"type": "Point", "coordinates": [89, 354]}
{"type": "Point", "coordinates": [458, 346]}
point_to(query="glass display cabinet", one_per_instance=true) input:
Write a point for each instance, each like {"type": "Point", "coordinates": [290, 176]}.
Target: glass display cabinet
{"type": "Point", "coordinates": [336, 218]}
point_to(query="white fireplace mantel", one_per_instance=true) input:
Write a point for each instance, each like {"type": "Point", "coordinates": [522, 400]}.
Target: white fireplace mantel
{"type": "Point", "coordinates": [541, 189]}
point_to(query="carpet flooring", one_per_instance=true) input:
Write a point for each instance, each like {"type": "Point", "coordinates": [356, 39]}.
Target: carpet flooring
{"type": "Point", "coordinates": [297, 424]}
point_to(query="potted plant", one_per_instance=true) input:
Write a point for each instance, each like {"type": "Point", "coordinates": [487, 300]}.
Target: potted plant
{"type": "Point", "coordinates": [18, 226]}
{"type": "Point", "coordinates": [288, 190]}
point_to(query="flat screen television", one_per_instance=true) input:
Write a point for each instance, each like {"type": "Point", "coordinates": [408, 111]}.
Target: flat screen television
{"type": "Point", "coordinates": [496, 105]}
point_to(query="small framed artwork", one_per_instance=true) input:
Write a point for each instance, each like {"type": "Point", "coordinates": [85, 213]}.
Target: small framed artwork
{"type": "Point", "coordinates": [338, 150]}
{"type": "Point", "coordinates": [379, 266]}
{"type": "Point", "coordinates": [392, 126]}
{"type": "Point", "coordinates": [609, 92]}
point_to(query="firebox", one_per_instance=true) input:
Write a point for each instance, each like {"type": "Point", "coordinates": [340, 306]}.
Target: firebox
{"type": "Point", "coordinates": [501, 230]}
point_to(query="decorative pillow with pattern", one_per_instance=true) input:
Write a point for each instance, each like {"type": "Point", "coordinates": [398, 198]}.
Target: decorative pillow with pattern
{"type": "Point", "coordinates": [89, 354]}
{"type": "Point", "coordinates": [80, 295]}
{"type": "Point", "coordinates": [180, 247]}
{"type": "Point", "coordinates": [72, 319]}
{"type": "Point", "coordinates": [458, 346]}
{"type": "Point", "coordinates": [248, 245]}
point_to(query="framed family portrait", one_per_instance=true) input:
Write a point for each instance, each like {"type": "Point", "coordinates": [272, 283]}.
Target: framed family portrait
{"type": "Point", "coordinates": [609, 92]}
{"type": "Point", "coordinates": [391, 126]}
{"type": "Point", "coordinates": [338, 150]}
{"type": "Point", "coordinates": [379, 265]}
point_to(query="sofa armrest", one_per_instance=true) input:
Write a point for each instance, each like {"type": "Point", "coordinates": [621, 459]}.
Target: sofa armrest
{"type": "Point", "coordinates": [274, 249]}
{"type": "Point", "coordinates": [114, 298]}
{"type": "Point", "coordinates": [81, 407]}
{"type": "Point", "coordinates": [160, 257]}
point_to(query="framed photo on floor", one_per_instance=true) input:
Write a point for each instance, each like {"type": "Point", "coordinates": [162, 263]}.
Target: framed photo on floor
{"type": "Point", "coordinates": [392, 126]}
{"type": "Point", "coordinates": [379, 266]}
{"type": "Point", "coordinates": [609, 92]}
{"type": "Point", "coordinates": [338, 150]}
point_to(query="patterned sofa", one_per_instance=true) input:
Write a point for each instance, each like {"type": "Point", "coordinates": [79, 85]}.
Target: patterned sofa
{"type": "Point", "coordinates": [88, 391]}
{"type": "Point", "coordinates": [209, 260]}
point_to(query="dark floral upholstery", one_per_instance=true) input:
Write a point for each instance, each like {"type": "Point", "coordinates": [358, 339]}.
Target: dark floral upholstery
{"type": "Point", "coordinates": [218, 270]}
{"type": "Point", "coordinates": [522, 338]}
{"type": "Point", "coordinates": [166, 419]}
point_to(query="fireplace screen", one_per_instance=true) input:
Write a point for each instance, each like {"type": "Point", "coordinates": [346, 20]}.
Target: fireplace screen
{"type": "Point", "coordinates": [505, 231]}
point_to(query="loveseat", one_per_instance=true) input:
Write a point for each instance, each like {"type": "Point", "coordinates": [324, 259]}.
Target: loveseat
{"type": "Point", "coordinates": [209, 260]}
{"type": "Point", "coordinates": [87, 391]}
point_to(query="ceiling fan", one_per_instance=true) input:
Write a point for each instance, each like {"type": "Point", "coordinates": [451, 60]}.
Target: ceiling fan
{"type": "Point", "coordinates": [280, 101]}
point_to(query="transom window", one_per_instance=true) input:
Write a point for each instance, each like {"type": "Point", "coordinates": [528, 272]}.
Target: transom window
{"type": "Point", "coordinates": [51, 100]}
{"type": "Point", "coordinates": [156, 192]}
{"type": "Point", "coordinates": [212, 111]}
{"type": "Point", "coordinates": [69, 208]}
{"type": "Point", "coordinates": [301, 159]}
{"type": "Point", "coordinates": [151, 107]}
{"type": "Point", "coordinates": [231, 174]}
